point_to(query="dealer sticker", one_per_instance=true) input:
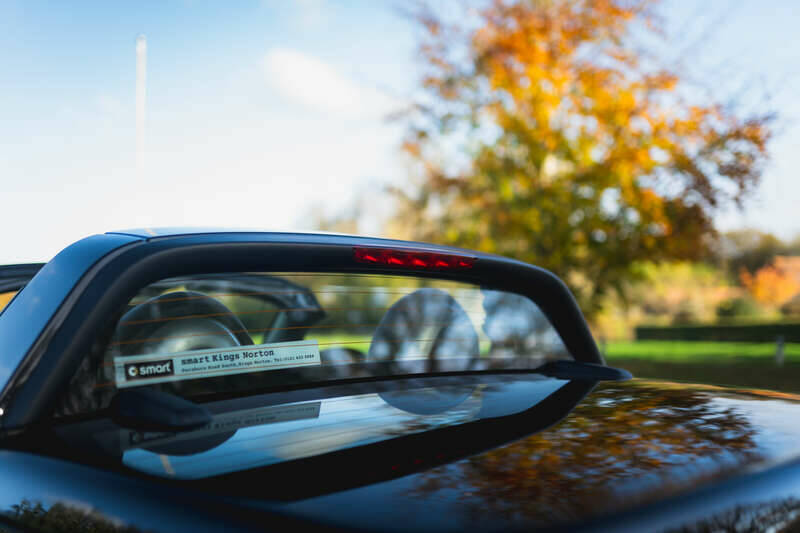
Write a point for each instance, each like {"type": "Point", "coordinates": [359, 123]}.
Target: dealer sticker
{"type": "Point", "coordinates": [131, 371]}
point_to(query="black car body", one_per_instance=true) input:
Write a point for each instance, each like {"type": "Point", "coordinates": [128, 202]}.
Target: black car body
{"type": "Point", "coordinates": [529, 431]}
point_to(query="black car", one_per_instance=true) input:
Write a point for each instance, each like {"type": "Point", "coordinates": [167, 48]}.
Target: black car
{"type": "Point", "coordinates": [214, 380]}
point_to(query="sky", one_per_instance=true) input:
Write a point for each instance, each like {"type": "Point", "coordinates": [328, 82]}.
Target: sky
{"type": "Point", "coordinates": [267, 114]}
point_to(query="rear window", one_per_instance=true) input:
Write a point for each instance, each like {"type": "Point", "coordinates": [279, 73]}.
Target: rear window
{"type": "Point", "coordinates": [230, 334]}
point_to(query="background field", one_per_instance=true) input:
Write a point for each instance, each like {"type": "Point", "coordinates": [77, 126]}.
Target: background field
{"type": "Point", "coordinates": [749, 365]}
{"type": "Point", "coordinates": [719, 363]}
{"type": "Point", "coordinates": [693, 352]}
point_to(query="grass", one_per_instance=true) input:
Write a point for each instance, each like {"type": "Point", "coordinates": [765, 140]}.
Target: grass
{"type": "Point", "coordinates": [335, 340]}
{"type": "Point", "coordinates": [359, 342]}
{"type": "Point", "coordinates": [694, 351]}
{"type": "Point", "coordinates": [750, 365]}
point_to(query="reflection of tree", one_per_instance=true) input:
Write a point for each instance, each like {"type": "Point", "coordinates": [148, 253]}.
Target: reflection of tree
{"type": "Point", "coordinates": [62, 518]}
{"type": "Point", "coordinates": [429, 323]}
{"type": "Point", "coordinates": [517, 327]}
{"type": "Point", "coordinates": [620, 440]}
{"type": "Point", "coordinates": [781, 516]}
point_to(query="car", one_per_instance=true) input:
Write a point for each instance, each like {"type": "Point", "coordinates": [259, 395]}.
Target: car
{"type": "Point", "coordinates": [217, 380]}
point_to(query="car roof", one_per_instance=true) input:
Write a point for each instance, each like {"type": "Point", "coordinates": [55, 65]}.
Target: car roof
{"type": "Point", "coordinates": [149, 233]}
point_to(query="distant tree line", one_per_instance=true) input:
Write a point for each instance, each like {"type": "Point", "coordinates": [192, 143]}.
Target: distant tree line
{"type": "Point", "coordinates": [750, 250]}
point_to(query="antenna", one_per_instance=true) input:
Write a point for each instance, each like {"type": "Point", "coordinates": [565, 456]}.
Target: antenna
{"type": "Point", "coordinates": [141, 99]}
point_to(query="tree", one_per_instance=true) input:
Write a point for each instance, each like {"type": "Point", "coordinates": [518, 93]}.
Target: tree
{"type": "Point", "coordinates": [770, 285]}
{"type": "Point", "coordinates": [748, 249]}
{"type": "Point", "coordinates": [543, 135]}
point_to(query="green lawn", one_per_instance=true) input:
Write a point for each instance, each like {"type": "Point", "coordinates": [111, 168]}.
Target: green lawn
{"type": "Point", "coordinates": [346, 340]}
{"type": "Point", "coordinates": [750, 365]}
{"type": "Point", "coordinates": [692, 351]}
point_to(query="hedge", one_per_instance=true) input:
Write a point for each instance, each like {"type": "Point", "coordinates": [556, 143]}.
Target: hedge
{"type": "Point", "coordinates": [722, 332]}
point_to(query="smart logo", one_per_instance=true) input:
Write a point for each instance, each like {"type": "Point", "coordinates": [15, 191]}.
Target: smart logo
{"type": "Point", "coordinates": [150, 369]}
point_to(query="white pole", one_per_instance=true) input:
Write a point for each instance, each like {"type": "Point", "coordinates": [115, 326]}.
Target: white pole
{"type": "Point", "coordinates": [141, 99]}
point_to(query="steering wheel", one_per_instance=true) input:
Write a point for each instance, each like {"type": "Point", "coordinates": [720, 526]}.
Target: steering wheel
{"type": "Point", "coordinates": [427, 327]}
{"type": "Point", "coordinates": [177, 322]}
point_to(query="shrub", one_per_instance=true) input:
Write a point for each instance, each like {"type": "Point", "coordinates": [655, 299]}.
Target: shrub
{"type": "Point", "coordinates": [738, 308]}
{"type": "Point", "coordinates": [722, 332]}
{"type": "Point", "coordinates": [792, 307]}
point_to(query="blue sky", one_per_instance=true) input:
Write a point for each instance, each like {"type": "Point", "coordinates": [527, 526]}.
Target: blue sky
{"type": "Point", "coordinates": [261, 113]}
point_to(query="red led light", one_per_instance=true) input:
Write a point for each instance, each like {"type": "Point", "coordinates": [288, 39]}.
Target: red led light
{"type": "Point", "coordinates": [365, 255]}
{"type": "Point", "coordinates": [411, 259]}
{"type": "Point", "coordinates": [418, 262]}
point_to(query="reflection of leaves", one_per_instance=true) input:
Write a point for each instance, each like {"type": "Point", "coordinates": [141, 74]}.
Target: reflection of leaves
{"type": "Point", "coordinates": [620, 440]}
{"type": "Point", "coordinates": [781, 515]}
{"type": "Point", "coordinates": [427, 323]}
{"type": "Point", "coordinates": [62, 518]}
{"type": "Point", "coordinates": [517, 327]}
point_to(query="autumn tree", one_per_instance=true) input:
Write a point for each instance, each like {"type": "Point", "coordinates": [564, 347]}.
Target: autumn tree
{"type": "Point", "coordinates": [749, 249]}
{"type": "Point", "coordinates": [771, 284]}
{"type": "Point", "coordinates": [542, 134]}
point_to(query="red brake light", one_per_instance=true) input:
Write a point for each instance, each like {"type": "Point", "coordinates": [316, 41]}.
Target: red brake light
{"type": "Point", "coordinates": [418, 262]}
{"type": "Point", "coordinates": [411, 259]}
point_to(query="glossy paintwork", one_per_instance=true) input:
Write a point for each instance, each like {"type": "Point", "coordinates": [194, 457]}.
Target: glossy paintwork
{"type": "Point", "coordinates": [211, 234]}
{"type": "Point", "coordinates": [636, 456]}
{"type": "Point", "coordinates": [626, 445]}
{"type": "Point", "coordinates": [24, 320]}
{"type": "Point", "coordinates": [169, 232]}
{"type": "Point", "coordinates": [118, 502]}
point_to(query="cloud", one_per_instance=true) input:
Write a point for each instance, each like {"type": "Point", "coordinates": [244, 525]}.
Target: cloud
{"type": "Point", "coordinates": [311, 13]}
{"type": "Point", "coordinates": [315, 85]}
{"type": "Point", "coordinates": [240, 167]}
{"type": "Point", "coordinates": [246, 161]}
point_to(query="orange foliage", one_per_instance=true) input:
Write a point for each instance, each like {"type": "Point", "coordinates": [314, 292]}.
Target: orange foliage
{"type": "Point", "coordinates": [5, 297]}
{"type": "Point", "coordinates": [580, 157]}
{"type": "Point", "coordinates": [770, 285]}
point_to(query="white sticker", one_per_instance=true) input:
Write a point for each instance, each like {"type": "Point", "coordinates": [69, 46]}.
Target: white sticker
{"type": "Point", "coordinates": [136, 370]}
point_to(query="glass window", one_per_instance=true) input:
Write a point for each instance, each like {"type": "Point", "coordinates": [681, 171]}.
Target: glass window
{"type": "Point", "coordinates": [203, 336]}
